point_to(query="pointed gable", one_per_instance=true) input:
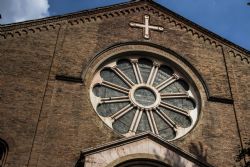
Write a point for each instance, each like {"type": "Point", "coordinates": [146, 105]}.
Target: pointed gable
{"type": "Point", "coordinates": [143, 146]}
{"type": "Point", "coordinates": [109, 25]}
{"type": "Point", "coordinates": [47, 70]}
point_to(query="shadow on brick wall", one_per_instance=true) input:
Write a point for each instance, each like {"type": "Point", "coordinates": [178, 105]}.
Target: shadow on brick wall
{"type": "Point", "coordinates": [198, 150]}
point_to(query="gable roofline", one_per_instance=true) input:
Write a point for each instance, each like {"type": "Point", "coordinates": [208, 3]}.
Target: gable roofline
{"type": "Point", "coordinates": [62, 17]}
{"type": "Point", "coordinates": [58, 18]}
{"type": "Point", "coordinates": [194, 25]}
{"type": "Point", "coordinates": [141, 136]}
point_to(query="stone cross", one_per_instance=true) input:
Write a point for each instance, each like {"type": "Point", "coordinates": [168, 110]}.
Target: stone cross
{"type": "Point", "coordinates": [146, 26]}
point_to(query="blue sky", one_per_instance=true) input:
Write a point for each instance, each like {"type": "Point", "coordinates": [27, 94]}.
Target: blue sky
{"type": "Point", "coordinates": [227, 18]}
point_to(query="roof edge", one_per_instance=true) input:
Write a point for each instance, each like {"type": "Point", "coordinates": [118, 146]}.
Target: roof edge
{"type": "Point", "coordinates": [198, 27]}
{"type": "Point", "coordinates": [68, 15]}
{"type": "Point", "coordinates": [57, 18]}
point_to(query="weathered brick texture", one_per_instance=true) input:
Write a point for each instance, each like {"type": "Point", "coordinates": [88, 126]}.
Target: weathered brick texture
{"type": "Point", "coordinates": [47, 122]}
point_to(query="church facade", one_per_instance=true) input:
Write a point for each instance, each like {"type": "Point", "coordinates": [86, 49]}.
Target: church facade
{"type": "Point", "coordinates": [132, 84]}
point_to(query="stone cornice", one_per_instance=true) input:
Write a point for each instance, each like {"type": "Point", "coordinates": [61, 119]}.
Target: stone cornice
{"type": "Point", "coordinates": [90, 15]}
{"type": "Point", "coordinates": [19, 29]}
{"type": "Point", "coordinates": [24, 28]}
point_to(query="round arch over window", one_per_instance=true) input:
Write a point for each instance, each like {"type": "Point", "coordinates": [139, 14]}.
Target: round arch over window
{"type": "Point", "coordinates": [138, 93]}
{"type": "Point", "coordinates": [3, 152]}
{"type": "Point", "coordinates": [142, 163]}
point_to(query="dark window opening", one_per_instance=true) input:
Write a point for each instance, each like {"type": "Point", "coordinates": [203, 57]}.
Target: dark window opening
{"type": "Point", "coordinates": [3, 152]}
{"type": "Point", "coordinates": [142, 163]}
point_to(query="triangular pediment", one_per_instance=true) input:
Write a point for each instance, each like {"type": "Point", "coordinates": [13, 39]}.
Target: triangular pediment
{"type": "Point", "coordinates": [141, 146]}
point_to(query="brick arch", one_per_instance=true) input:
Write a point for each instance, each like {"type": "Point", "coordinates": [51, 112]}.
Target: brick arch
{"type": "Point", "coordinates": [130, 46]}
{"type": "Point", "coordinates": [4, 149]}
{"type": "Point", "coordinates": [142, 162]}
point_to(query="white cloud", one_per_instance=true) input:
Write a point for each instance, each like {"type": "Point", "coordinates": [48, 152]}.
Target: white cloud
{"type": "Point", "coordinates": [21, 10]}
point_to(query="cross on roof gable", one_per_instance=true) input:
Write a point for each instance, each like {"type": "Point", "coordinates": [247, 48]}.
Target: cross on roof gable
{"type": "Point", "coordinates": [146, 26]}
{"type": "Point", "coordinates": [94, 13]}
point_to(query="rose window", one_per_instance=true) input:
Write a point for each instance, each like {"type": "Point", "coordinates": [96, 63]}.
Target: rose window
{"type": "Point", "coordinates": [136, 94]}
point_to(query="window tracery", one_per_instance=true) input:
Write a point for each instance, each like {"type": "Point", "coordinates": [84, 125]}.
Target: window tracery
{"type": "Point", "coordinates": [137, 94]}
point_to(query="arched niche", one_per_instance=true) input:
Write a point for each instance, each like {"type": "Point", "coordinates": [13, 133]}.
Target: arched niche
{"type": "Point", "coordinates": [4, 149]}
{"type": "Point", "coordinates": [142, 163]}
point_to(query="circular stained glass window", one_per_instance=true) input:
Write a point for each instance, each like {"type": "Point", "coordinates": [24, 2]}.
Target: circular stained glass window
{"type": "Point", "coordinates": [136, 94]}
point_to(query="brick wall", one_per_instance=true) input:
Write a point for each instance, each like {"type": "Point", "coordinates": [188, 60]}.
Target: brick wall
{"type": "Point", "coordinates": [47, 122]}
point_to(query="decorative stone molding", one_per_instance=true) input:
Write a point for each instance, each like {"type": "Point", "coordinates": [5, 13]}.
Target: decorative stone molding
{"type": "Point", "coordinates": [29, 27]}
{"type": "Point", "coordinates": [144, 95]}
{"type": "Point", "coordinates": [239, 56]}
{"type": "Point", "coordinates": [118, 48]}
{"type": "Point", "coordinates": [19, 29]}
{"type": "Point", "coordinates": [196, 30]}
{"type": "Point", "coordinates": [106, 15]}
{"type": "Point", "coordinates": [11, 33]}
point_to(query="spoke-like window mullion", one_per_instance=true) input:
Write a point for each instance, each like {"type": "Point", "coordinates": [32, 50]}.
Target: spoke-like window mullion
{"type": "Point", "coordinates": [114, 86]}
{"type": "Point", "coordinates": [136, 120]}
{"type": "Point", "coordinates": [152, 121]}
{"type": "Point", "coordinates": [115, 99]}
{"type": "Point", "coordinates": [166, 118]}
{"type": "Point", "coordinates": [174, 108]}
{"type": "Point", "coordinates": [174, 95]}
{"type": "Point", "coordinates": [137, 72]}
{"type": "Point", "coordinates": [166, 83]}
{"type": "Point", "coordinates": [152, 74]}
{"type": "Point", "coordinates": [123, 76]}
{"type": "Point", "coordinates": [122, 111]}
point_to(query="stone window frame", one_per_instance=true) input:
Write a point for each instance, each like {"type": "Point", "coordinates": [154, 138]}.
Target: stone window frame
{"type": "Point", "coordinates": [179, 132]}
{"type": "Point", "coordinates": [143, 162]}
